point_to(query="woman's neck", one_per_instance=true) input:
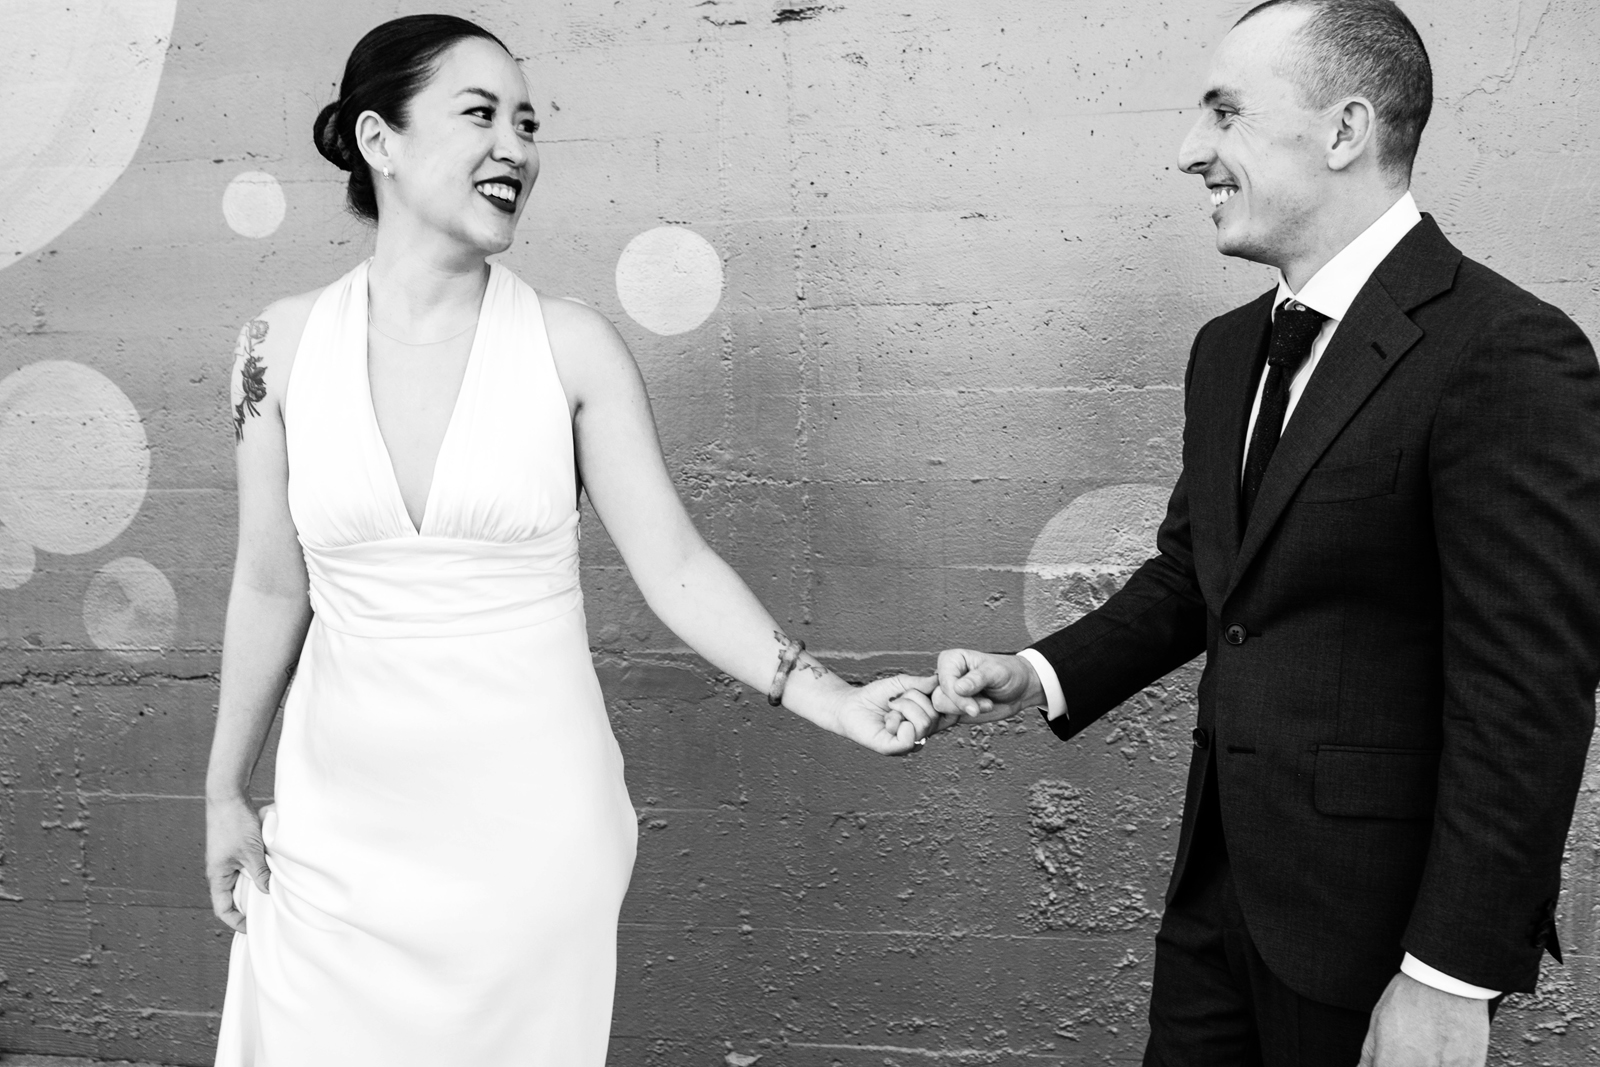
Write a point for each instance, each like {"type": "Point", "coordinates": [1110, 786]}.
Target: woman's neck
{"type": "Point", "coordinates": [414, 291]}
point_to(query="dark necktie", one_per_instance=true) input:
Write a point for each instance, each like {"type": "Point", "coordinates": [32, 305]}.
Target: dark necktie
{"type": "Point", "coordinates": [1294, 330]}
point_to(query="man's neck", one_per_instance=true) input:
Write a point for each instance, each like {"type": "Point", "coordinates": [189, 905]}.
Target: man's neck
{"type": "Point", "coordinates": [1339, 227]}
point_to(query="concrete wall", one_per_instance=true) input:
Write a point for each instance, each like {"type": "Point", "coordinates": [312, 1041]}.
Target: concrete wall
{"type": "Point", "coordinates": [933, 398]}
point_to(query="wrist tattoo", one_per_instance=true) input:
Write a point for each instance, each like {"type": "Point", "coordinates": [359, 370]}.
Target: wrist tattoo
{"type": "Point", "coordinates": [812, 666]}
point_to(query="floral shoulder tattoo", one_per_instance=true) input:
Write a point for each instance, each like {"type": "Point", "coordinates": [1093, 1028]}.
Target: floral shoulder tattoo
{"type": "Point", "coordinates": [250, 375]}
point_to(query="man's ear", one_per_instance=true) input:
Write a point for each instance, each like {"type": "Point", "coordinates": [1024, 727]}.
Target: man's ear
{"type": "Point", "coordinates": [1354, 134]}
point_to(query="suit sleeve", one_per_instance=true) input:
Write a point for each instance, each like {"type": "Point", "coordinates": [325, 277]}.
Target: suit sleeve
{"type": "Point", "coordinates": [1151, 626]}
{"type": "Point", "coordinates": [1515, 472]}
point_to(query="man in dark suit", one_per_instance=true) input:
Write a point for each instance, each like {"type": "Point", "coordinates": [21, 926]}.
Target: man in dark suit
{"type": "Point", "coordinates": [1386, 539]}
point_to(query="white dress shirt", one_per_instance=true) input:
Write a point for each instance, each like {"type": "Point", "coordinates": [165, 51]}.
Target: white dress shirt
{"type": "Point", "coordinates": [1330, 291]}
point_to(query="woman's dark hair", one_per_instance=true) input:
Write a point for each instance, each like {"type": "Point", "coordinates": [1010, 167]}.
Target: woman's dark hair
{"type": "Point", "coordinates": [385, 70]}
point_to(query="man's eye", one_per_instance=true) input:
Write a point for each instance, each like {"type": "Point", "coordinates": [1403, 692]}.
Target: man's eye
{"type": "Point", "coordinates": [1223, 114]}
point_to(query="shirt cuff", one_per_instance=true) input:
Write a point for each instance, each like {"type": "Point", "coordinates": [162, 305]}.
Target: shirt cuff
{"type": "Point", "coordinates": [1056, 705]}
{"type": "Point", "coordinates": [1412, 967]}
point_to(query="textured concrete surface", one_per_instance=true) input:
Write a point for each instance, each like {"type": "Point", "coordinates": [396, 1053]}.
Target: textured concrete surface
{"type": "Point", "coordinates": [24, 1059]}
{"type": "Point", "coordinates": [919, 396]}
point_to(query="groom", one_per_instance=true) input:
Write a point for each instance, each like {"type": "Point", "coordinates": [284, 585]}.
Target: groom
{"type": "Point", "coordinates": [1386, 539]}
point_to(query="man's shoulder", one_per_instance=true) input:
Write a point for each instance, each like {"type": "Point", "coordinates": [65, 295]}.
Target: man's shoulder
{"type": "Point", "coordinates": [1487, 313]}
{"type": "Point", "coordinates": [1488, 325]}
{"type": "Point", "coordinates": [1485, 294]}
{"type": "Point", "coordinates": [1472, 297]}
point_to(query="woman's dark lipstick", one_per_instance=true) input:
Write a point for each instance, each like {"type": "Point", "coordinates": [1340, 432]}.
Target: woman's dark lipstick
{"type": "Point", "coordinates": [492, 190]}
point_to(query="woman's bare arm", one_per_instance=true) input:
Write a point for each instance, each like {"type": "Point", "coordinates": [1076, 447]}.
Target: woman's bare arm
{"type": "Point", "coordinates": [685, 582]}
{"type": "Point", "coordinates": [268, 605]}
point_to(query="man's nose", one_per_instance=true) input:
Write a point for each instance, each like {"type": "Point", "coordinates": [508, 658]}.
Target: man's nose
{"type": "Point", "coordinates": [1196, 154]}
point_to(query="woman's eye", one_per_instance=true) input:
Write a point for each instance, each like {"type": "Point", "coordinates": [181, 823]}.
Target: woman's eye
{"type": "Point", "coordinates": [530, 127]}
{"type": "Point", "coordinates": [484, 113]}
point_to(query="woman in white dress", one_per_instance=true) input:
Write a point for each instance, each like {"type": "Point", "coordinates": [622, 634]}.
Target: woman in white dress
{"type": "Point", "coordinates": [439, 879]}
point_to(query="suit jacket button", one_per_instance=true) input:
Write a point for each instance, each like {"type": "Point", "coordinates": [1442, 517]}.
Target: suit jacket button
{"type": "Point", "coordinates": [1235, 634]}
{"type": "Point", "coordinates": [1202, 740]}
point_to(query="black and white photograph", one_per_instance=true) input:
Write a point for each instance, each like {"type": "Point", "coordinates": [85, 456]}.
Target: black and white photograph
{"type": "Point", "coordinates": [761, 533]}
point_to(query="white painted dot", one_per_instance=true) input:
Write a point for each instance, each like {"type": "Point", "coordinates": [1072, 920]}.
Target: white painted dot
{"type": "Point", "coordinates": [1087, 551]}
{"type": "Point", "coordinates": [78, 85]}
{"type": "Point", "coordinates": [16, 560]}
{"type": "Point", "coordinates": [669, 279]}
{"type": "Point", "coordinates": [253, 204]}
{"type": "Point", "coordinates": [130, 609]}
{"type": "Point", "coordinates": [74, 460]}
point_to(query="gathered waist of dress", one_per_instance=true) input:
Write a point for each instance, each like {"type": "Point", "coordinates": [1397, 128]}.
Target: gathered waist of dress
{"type": "Point", "coordinates": [442, 586]}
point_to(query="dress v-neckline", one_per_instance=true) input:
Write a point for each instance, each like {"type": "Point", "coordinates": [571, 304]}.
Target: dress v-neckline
{"type": "Point", "coordinates": [414, 529]}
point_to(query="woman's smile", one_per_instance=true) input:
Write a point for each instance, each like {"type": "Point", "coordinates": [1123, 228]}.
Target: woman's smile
{"type": "Point", "coordinates": [501, 192]}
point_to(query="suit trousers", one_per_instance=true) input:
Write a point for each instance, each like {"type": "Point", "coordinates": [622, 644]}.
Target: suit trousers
{"type": "Point", "coordinates": [1215, 1002]}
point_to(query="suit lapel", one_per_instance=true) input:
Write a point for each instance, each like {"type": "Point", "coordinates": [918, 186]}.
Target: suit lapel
{"type": "Point", "coordinates": [1371, 340]}
{"type": "Point", "coordinates": [1241, 352]}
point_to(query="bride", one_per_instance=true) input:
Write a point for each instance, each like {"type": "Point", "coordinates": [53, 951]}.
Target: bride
{"type": "Point", "coordinates": [439, 878]}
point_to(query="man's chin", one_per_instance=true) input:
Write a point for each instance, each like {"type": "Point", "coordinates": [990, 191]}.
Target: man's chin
{"type": "Point", "coordinates": [1239, 247]}
{"type": "Point", "coordinates": [1228, 242]}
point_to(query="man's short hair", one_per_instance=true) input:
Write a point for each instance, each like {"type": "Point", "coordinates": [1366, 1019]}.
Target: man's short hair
{"type": "Point", "coordinates": [1365, 48]}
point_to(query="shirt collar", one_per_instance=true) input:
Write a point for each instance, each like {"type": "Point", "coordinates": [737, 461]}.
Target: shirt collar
{"type": "Point", "coordinates": [1333, 288]}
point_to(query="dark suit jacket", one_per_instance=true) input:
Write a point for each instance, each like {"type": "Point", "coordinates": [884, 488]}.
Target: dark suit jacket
{"type": "Point", "coordinates": [1403, 647]}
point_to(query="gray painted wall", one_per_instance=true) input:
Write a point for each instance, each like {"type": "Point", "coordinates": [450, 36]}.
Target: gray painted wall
{"type": "Point", "coordinates": [937, 402]}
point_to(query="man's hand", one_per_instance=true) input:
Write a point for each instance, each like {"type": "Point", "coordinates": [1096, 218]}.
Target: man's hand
{"type": "Point", "coordinates": [984, 687]}
{"type": "Point", "coordinates": [1416, 1025]}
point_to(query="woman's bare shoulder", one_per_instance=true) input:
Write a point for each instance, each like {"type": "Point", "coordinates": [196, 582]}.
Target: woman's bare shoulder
{"type": "Point", "coordinates": [263, 356]}
{"type": "Point", "coordinates": [570, 320]}
{"type": "Point", "coordinates": [586, 346]}
{"type": "Point", "coordinates": [278, 328]}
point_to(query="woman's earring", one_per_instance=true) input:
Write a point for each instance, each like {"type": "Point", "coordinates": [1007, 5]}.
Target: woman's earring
{"type": "Point", "coordinates": [386, 173]}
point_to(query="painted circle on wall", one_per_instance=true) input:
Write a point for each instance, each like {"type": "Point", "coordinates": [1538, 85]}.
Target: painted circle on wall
{"type": "Point", "coordinates": [669, 280]}
{"type": "Point", "coordinates": [1087, 551]}
{"type": "Point", "coordinates": [253, 204]}
{"type": "Point", "coordinates": [74, 460]}
{"type": "Point", "coordinates": [77, 85]}
{"type": "Point", "coordinates": [16, 560]}
{"type": "Point", "coordinates": [130, 609]}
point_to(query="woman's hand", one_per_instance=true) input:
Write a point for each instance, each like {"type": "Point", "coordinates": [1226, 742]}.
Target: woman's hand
{"type": "Point", "coordinates": [890, 715]}
{"type": "Point", "coordinates": [233, 845]}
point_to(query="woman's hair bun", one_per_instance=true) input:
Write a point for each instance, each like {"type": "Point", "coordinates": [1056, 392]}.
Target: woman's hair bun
{"type": "Point", "coordinates": [325, 131]}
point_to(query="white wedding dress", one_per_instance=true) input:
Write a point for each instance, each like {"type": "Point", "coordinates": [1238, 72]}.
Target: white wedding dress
{"type": "Point", "coordinates": [451, 838]}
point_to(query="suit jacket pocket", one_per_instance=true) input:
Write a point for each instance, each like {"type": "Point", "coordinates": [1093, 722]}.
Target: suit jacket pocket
{"type": "Point", "coordinates": [1376, 783]}
{"type": "Point", "coordinates": [1327, 485]}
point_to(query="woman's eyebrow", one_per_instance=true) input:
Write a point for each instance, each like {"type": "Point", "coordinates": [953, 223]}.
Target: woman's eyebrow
{"type": "Point", "coordinates": [493, 98]}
